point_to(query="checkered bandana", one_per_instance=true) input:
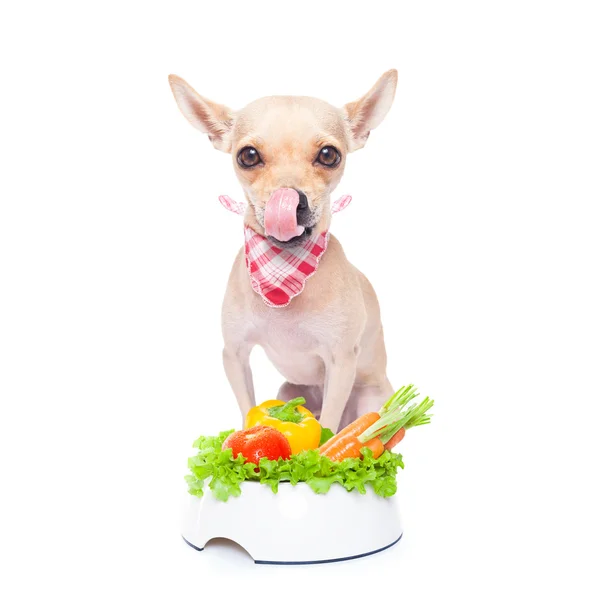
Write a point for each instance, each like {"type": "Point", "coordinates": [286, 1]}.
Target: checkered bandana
{"type": "Point", "coordinates": [279, 274]}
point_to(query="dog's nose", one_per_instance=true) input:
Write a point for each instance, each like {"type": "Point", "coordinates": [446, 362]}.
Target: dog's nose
{"type": "Point", "coordinates": [302, 210]}
{"type": "Point", "coordinates": [303, 202]}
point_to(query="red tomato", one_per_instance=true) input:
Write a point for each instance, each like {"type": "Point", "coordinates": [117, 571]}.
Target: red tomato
{"type": "Point", "coordinates": [258, 441]}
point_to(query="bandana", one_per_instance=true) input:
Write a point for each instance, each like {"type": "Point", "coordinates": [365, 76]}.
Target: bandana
{"type": "Point", "coordinates": [279, 274]}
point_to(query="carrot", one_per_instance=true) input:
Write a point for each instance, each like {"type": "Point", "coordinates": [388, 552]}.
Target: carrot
{"type": "Point", "coordinates": [376, 446]}
{"type": "Point", "coordinates": [355, 428]}
{"type": "Point", "coordinates": [379, 431]}
{"type": "Point", "coordinates": [395, 439]}
{"type": "Point", "coordinates": [346, 446]}
{"type": "Point", "coordinates": [349, 446]}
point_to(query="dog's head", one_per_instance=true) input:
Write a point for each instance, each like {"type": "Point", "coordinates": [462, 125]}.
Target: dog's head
{"type": "Point", "coordinates": [289, 152]}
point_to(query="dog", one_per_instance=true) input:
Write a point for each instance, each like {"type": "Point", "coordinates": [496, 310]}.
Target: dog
{"type": "Point", "coordinates": [289, 152]}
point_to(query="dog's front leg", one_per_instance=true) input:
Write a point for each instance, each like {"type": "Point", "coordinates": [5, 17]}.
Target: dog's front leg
{"type": "Point", "coordinates": [236, 361]}
{"type": "Point", "coordinates": [339, 380]}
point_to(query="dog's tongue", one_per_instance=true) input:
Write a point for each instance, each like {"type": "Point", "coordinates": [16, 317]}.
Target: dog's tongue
{"type": "Point", "coordinates": [280, 215]}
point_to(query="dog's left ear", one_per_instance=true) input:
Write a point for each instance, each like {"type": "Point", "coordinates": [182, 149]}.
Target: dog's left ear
{"type": "Point", "coordinates": [365, 114]}
{"type": "Point", "coordinates": [216, 120]}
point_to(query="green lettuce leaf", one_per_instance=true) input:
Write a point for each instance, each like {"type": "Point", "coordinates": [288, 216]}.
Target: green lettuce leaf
{"type": "Point", "coordinates": [224, 474]}
{"type": "Point", "coordinates": [326, 434]}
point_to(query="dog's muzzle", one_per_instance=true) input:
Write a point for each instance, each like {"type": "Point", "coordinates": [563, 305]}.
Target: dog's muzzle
{"type": "Point", "coordinates": [287, 215]}
{"type": "Point", "coordinates": [305, 218]}
{"type": "Point", "coordinates": [303, 213]}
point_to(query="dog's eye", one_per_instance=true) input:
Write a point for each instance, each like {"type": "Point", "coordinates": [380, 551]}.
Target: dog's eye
{"type": "Point", "coordinates": [248, 157]}
{"type": "Point", "coordinates": [329, 157]}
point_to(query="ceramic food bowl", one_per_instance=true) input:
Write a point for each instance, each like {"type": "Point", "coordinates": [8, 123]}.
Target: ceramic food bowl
{"type": "Point", "coordinates": [295, 525]}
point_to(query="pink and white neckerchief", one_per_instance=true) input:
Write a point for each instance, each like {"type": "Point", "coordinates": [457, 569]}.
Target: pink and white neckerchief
{"type": "Point", "coordinates": [279, 274]}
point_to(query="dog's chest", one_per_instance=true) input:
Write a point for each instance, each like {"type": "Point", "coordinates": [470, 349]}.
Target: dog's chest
{"type": "Point", "coordinates": [294, 344]}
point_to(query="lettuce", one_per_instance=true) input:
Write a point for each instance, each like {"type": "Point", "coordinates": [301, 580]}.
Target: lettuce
{"type": "Point", "coordinates": [326, 435]}
{"type": "Point", "coordinates": [225, 473]}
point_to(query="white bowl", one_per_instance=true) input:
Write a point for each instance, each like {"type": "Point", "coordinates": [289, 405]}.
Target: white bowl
{"type": "Point", "coordinates": [295, 526]}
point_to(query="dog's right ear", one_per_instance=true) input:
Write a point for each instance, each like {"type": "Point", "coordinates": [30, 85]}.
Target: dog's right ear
{"type": "Point", "coordinates": [216, 120]}
{"type": "Point", "coordinates": [365, 114]}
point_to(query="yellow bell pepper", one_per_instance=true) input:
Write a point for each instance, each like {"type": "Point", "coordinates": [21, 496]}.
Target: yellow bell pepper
{"type": "Point", "coordinates": [297, 423]}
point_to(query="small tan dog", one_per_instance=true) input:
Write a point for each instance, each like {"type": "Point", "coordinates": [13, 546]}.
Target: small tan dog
{"type": "Point", "coordinates": [328, 342]}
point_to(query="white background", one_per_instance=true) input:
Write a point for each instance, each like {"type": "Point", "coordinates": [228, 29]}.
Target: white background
{"type": "Point", "coordinates": [474, 216]}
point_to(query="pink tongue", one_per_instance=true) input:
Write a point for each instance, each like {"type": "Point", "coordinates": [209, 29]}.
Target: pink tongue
{"type": "Point", "coordinates": [280, 215]}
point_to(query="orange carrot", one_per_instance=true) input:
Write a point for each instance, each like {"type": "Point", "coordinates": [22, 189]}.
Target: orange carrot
{"type": "Point", "coordinates": [376, 446]}
{"type": "Point", "coordinates": [379, 431]}
{"type": "Point", "coordinates": [395, 439]}
{"type": "Point", "coordinates": [346, 446]}
{"type": "Point", "coordinates": [355, 429]}
{"type": "Point", "coordinates": [350, 446]}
